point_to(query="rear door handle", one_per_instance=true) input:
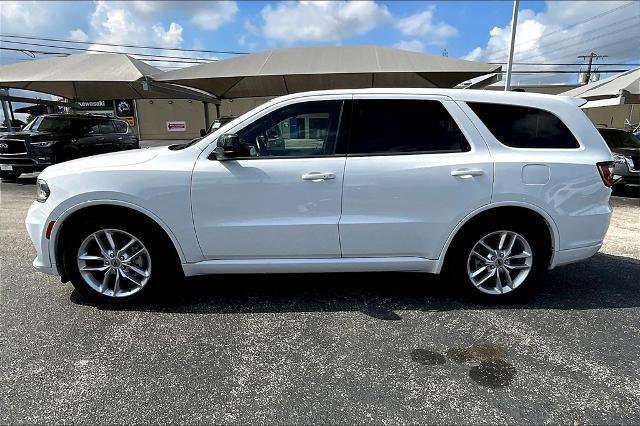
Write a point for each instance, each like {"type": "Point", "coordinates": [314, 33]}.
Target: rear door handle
{"type": "Point", "coordinates": [466, 173]}
{"type": "Point", "coordinates": [317, 176]}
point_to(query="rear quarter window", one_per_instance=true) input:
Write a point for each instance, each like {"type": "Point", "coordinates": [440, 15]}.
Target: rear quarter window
{"type": "Point", "coordinates": [524, 127]}
{"type": "Point", "coordinates": [121, 126]}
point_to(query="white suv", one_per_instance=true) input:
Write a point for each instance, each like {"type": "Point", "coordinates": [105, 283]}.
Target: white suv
{"type": "Point", "coordinates": [493, 187]}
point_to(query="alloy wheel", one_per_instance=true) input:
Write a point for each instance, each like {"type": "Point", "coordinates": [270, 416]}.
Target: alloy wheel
{"type": "Point", "coordinates": [114, 263]}
{"type": "Point", "coordinates": [499, 262]}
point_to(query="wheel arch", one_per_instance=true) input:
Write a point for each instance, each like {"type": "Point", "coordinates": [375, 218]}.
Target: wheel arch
{"type": "Point", "coordinates": [495, 209]}
{"type": "Point", "coordinates": [101, 206]}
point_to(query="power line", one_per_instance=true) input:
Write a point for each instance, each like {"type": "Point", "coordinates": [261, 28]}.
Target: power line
{"type": "Point", "coordinates": [194, 60]}
{"type": "Point", "coordinates": [596, 30]}
{"type": "Point", "coordinates": [559, 64]}
{"type": "Point", "coordinates": [599, 15]}
{"type": "Point", "coordinates": [178, 49]}
{"type": "Point", "coordinates": [573, 52]}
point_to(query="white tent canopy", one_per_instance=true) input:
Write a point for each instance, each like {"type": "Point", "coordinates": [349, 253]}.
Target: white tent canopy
{"type": "Point", "coordinates": [92, 77]}
{"type": "Point", "coordinates": [619, 89]}
{"type": "Point", "coordinates": [282, 71]}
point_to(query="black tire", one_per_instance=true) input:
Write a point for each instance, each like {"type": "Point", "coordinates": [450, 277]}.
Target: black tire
{"type": "Point", "coordinates": [164, 272]}
{"type": "Point", "coordinates": [457, 262]}
{"type": "Point", "coordinates": [9, 176]}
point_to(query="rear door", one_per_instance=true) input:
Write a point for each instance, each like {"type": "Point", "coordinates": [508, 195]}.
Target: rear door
{"type": "Point", "coordinates": [416, 166]}
{"type": "Point", "coordinates": [110, 141]}
{"type": "Point", "coordinates": [91, 141]}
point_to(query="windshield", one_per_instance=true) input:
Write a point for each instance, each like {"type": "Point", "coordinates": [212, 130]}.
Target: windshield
{"type": "Point", "coordinates": [620, 139]}
{"type": "Point", "coordinates": [51, 124]}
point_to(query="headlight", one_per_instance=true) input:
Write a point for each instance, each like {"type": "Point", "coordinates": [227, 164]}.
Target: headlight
{"type": "Point", "coordinates": [42, 191]}
{"type": "Point", "coordinates": [43, 144]}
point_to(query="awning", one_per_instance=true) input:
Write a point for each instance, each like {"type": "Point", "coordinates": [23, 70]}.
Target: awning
{"type": "Point", "coordinates": [282, 71]}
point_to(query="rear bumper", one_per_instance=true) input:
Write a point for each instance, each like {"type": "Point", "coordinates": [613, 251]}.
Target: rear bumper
{"type": "Point", "coordinates": [563, 257]}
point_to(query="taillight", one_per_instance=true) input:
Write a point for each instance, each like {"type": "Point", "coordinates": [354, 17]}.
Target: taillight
{"type": "Point", "coordinates": [606, 169]}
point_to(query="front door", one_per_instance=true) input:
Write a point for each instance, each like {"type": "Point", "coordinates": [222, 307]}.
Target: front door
{"type": "Point", "coordinates": [281, 197]}
{"type": "Point", "coordinates": [415, 168]}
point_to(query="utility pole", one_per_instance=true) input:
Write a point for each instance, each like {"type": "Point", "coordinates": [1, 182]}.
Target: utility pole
{"type": "Point", "coordinates": [591, 57]}
{"type": "Point", "coordinates": [514, 23]}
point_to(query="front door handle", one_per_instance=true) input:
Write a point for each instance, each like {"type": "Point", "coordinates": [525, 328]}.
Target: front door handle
{"type": "Point", "coordinates": [317, 176]}
{"type": "Point", "coordinates": [467, 173]}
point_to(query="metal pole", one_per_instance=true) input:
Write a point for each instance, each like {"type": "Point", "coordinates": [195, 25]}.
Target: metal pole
{"type": "Point", "coordinates": [7, 118]}
{"type": "Point", "coordinates": [514, 23]}
{"type": "Point", "coordinates": [206, 116]}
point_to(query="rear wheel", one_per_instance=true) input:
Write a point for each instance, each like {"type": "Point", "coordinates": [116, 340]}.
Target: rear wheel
{"type": "Point", "coordinates": [499, 261]}
{"type": "Point", "coordinates": [114, 261]}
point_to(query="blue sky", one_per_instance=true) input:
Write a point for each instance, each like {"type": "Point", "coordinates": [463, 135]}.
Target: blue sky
{"type": "Point", "coordinates": [548, 32]}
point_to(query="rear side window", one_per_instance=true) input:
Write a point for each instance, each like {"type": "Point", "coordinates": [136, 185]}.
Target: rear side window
{"type": "Point", "coordinates": [107, 127]}
{"type": "Point", "coordinates": [524, 127]}
{"type": "Point", "coordinates": [383, 126]}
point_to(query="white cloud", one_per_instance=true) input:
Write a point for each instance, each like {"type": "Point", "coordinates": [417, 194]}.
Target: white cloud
{"type": "Point", "coordinates": [412, 45]}
{"type": "Point", "coordinates": [422, 24]}
{"type": "Point", "coordinates": [321, 20]}
{"type": "Point", "coordinates": [214, 15]}
{"type": "Point", "coordinates": [474, 55]}
{"type": "Point", "coordinates": [608, 28]}
{"type": "Point", "coordinates": [20, 16]}
{"type": "Point", "coordinates": [171, 37]}
{"type": "Point", "coordinates": [78, 35]}
{"type": "Point", "coordinates": [137, 23]}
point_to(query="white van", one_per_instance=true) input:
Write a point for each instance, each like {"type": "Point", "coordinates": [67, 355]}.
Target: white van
{"type": "Point", "coordinates": [495, 187]}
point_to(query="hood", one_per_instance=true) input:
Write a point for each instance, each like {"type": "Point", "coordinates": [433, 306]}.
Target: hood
{"type": "Point", "coordinates": [103, 161]}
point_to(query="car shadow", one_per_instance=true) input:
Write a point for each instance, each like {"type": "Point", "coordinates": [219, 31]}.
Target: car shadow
{"type": "Point", "coordinates": [627, 191]}
{"type": "Point", "coordinates": [603, 282]}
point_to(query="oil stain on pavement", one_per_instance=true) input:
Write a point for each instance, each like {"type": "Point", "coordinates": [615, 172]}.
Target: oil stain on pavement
{"type": "Point", "coordinates": [489, 365]}
{"type": "Point", "coordinates": [425, 357]}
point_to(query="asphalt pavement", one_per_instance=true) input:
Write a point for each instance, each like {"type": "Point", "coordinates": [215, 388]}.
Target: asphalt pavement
{"type": "Point", "coordinates": [323, 348]}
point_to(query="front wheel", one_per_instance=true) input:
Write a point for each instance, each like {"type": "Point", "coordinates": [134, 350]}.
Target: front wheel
{"type": "Point", "coordinates": [498, 262]}
{"type": "Point", "coordinates": [114, 261]}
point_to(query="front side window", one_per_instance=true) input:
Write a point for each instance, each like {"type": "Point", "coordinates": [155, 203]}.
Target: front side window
{"type": "Point", "coordinates": [396, 126]}
{"type": "Point", "coordinates": [524, 127]}
{"type": "Point", "coordinates": [298, 130]}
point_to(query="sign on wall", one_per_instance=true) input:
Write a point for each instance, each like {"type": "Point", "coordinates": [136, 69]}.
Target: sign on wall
{"type": "Point", "coordinates": [124, 109]}
{"type": "Point", "coordinates": [176, 126]}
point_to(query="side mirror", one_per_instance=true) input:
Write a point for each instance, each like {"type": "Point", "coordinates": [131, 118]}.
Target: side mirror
{"type": "Point", "coordinates": [228, 147]}
{"type": "Point", "coordinates": [203, 133]}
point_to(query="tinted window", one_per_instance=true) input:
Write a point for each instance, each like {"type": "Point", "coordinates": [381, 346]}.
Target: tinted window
{"type": "Point", "coordinates": [620, 139]}
{"type": "Point", "coordinates": [304, 129]}
{"type": "Point", "coordinates": [89, 126]}
{"type": "Point", "coordinates": [52, 124]}
{"type": "Point", "coordinates": [106, 127]}
{"type": "Point", "coordinates": [121, 126]}
{"type": "Point", "coordinates": [524, 127]}
{"type": "Point", "coordinates": [382, 126]}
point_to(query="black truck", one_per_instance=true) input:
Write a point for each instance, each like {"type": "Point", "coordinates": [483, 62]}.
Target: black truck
{"type": "Point", "coordinates": [54, 138]}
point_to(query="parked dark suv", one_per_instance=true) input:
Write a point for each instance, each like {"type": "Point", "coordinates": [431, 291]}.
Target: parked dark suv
{"type": "Point", "coordinates": [55, 138]}
{"type": "Point", "coordinates": [625, 147]}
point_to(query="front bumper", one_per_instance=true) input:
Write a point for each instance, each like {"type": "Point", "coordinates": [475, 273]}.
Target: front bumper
{"type": "Point", "coordinates": [25, 164]}
{"type": "Point", "coordinates": [36, 224]}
